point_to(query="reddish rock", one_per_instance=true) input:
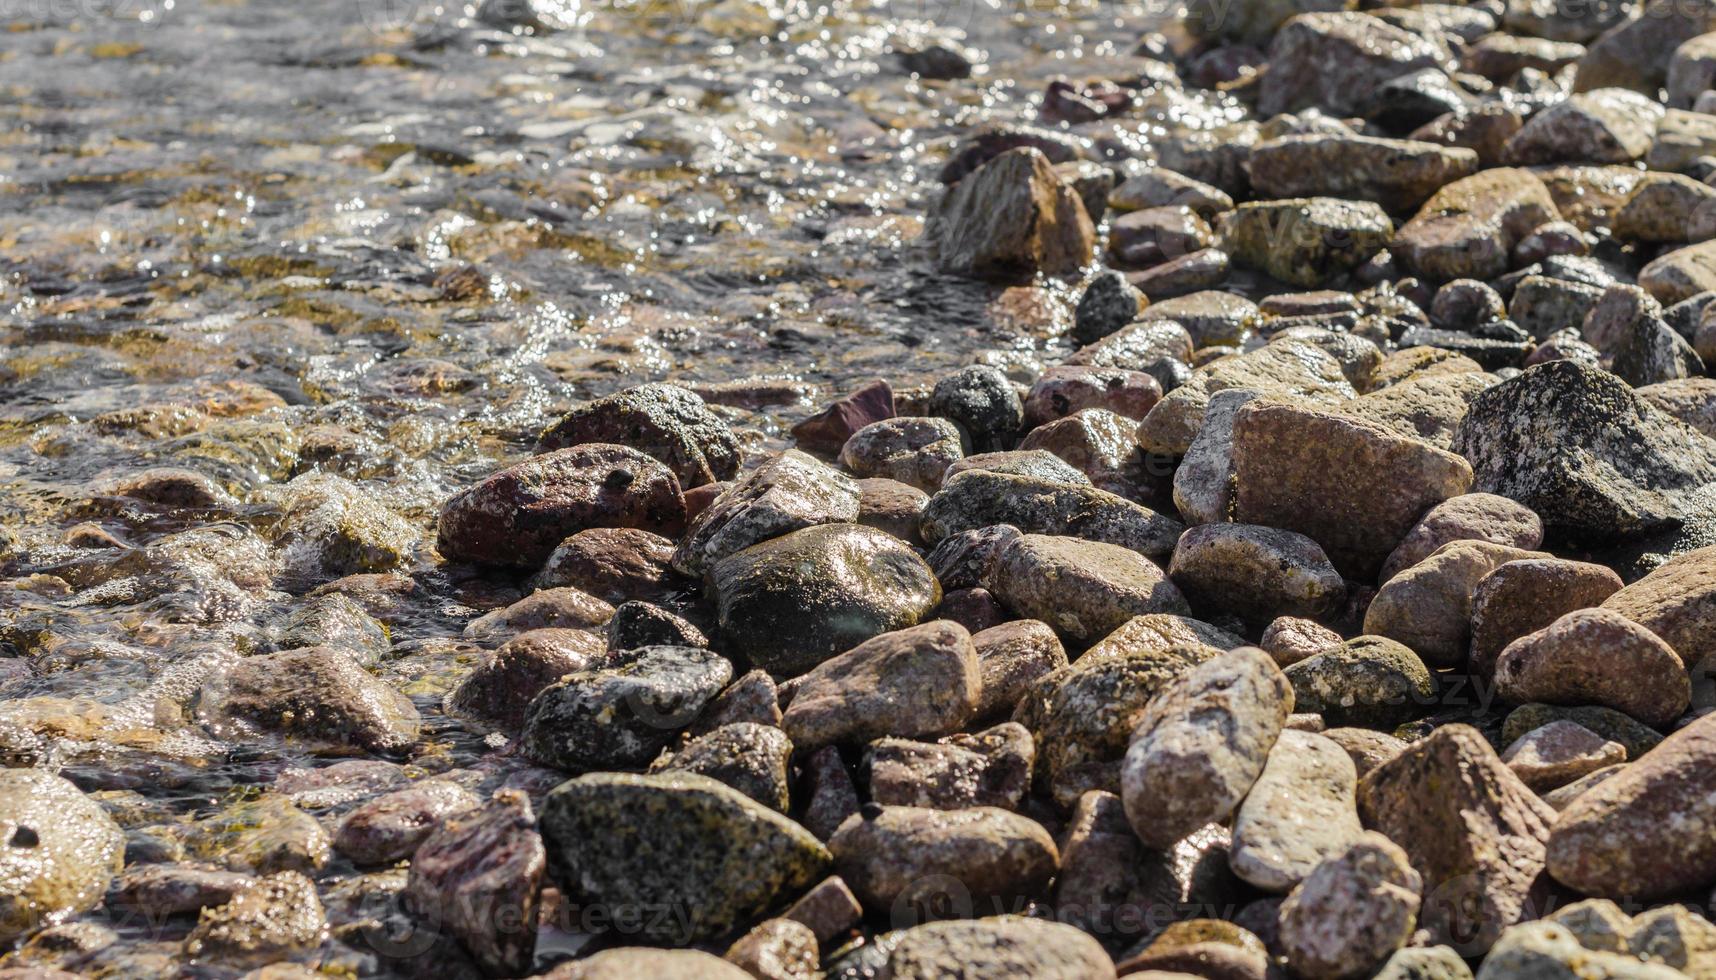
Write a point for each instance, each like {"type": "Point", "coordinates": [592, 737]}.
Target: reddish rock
{"type": "Point", "coordinates": [827, 430]}
{"type": "Point", "coordinates": [478, 876]}
{"type": "Point", "coordinates": [1524, 596]}
{"type": "Point", "coordinates": [1596, 656]}
{"type": "Point", "coordinates": [615, 564]}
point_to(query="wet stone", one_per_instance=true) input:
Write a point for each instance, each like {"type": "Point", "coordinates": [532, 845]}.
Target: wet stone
{"type": "Point", "coordinates": [749, 757]}
{"type": "Point", "coordinates": [911, 860]}
{"type": "Point", "coordinates": [1309, 241]}
{"type": "Point", "coordinates": [1002, 948]}
{"type": "Point", "coordinates": [274, 918]}
{"type": "Point", "coordinates": [62, 851]}
{"type": "Point", "coordinates": [891, 506]}
{"type": "Point", "coordinates": [477, 876]}
{"type": "Point", "coordinates": [392, 826]}
{"type": "Point", "coordinates": [777, 949]}
{"type": "Point", "coordinates": [664, 421]}
{"type": "Point", "coordinates": [787, 493]}
{"type": "Point", "coordinates": [174, 889]}
{"type": "Point", "coordinates": [1011, 219]}
{"type": "Point", "coordinates": [317, 697]}
{"type": "Point", "coordinates": [499, 689]}
{"type": "Point", "coordinates": [752, 698]}
{"type": "Point", "coordinates": [827, 430]}
{"type": "Point", "coordinates": [1009, 658]}
{"type": "Point", "coordinates": [962, 560]}
{"type": "Point", "coordinates": [614, 564]}
{"type": "Point", "coordinates": [1062, 391]}
{"type": "Point", "coordinates": [559, 608]}
{"type": "Point", "coordinates": [980, 499]}
{"type": "Point", "coordinates": [915, 451]}
{"type": "Point", "coordinates": [1332, 61]}
{"type": "Point", "coordinates": [1107, 304]}
{"type": "Point", "coordinates": [982, 402]}
{"type": "Point", "coordinates": [915, 682]}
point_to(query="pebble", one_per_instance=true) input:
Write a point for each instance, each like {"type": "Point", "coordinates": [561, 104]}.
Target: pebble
{"type": "Point", "coordinates": [826, 432]}
{"type": "Point", "coordinates": [1009, 658]}
{"type": "Point", "coordinates": [1002, 948]}
{"type": "Point", "coordinates": [665, 421]}
{"type": "Point", "coordinates": [1596, 656]}
{"type": "Point", "coordinates": [987, 768]}
{"type": "Point", "coordinates": [1011, 219]}
{"type": "Point", "coordinates": [692, 858]}
{"type": "Point", "coordinates": [1305, 241]}
{"type": "Point", "coordinates": [318, 697]}
{"type": "Point", "coordinates": [913, 450]}
{"type": "Point", "coordinates": [1370, 681]}
{"type": "Point", "coordinates": [562, 608]}
{"type": "Point", "coordinates": [1677, 602]}
{"type": "Point", "coordinates": [1559, 753]}
{"type": "Point", "coordinates": [499, 689]}
{"type": "Point", "coordinates": [749, 757]}
{"type": "Point", "coordinates": [613, 564]}
{"type": "Point", "coordinates": [911, 862]}
{"type": "Point", "coordinates": [276, 917]}
{"type": "Point", "coordinates": [1352, 911]}
{"type": "Point", "coordinates": [392, 826]}
{"type": "Point", "coordinates": [626, 962]}
{"type": "Point", "coordinates": [62, 851]}
{"type": "Point", "coordinates": [777, 949]}
{"type": "Point", "coordinates": [789, 492]}
{"type": "Point", "coordinates": [1300, 811]}
{"type": "Point", "coordinates": [1428, 607]}
{"type": "Point", "coordinates": [1524, 596]}
{"type": "Point", "coordinates": [1467, 517]}
{"type": "Point", "coordinates": [977, 499]}
{"type": "Point", "coordinates": [1201, 744]}
{"type": "Point", "coordinates": [1064, 390]}
{"type": "Point", "coordinates": [1468, 229]}
{"type": "Point", "coordinates": [1084, 589]}
{"type": "Point", "coordinates": [1290, 639]}
{"type": "Point", "coordinates": [1255, 573]}
{"type": "Point", "coordinates": [620, 712]}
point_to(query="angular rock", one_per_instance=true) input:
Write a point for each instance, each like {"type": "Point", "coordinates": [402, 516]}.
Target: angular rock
{"type": "Point", "coordinates": [777, 949]}
{"type": "Point", "coordinates": [1305, 241]}
{"type": "Point", "coordinates": [1292, 370]}
{"type": "Point", "coordinates": [789, 492]}
{"type": "Point", "coordinates": [794, 601]}
{"type": "Point", "coordinates": [1635, 736]}
{"type": "Point", "coordinates": [620, 714]}
{"type": "Point", "coordinates": [1468, 229]}
{"type": "Point", "coordinates": [1634, 54]}
{"type": "Point", "coordinates": [517, 516]}
{"type": "Point", "coordinates": [1000, 948]}
{"type": "Point", "coordinates": [662, 420]}
{"type": "Point", "coordinates": [1559, 753]}
{"type": "Point", "coordinates": [1472, 830]}
{"type": "Point", "coordinates": [317, 697]}
{"type": "Point", "coordinates": [977, 499]}
{"type": "Point", "coordinates": [1334, 61]}
{"type": "Point", "coordinates": [498, 690]}
{"type": "Point", "coordinates": [1398, 174]}
{"type": "Point", "coordinates": [678, 841]}
{"type": "Point", "coordinates": [921, 681]}
{"type": "Point", "coordinates": [1680, 274]}
{"type": "Point", "coordinates": [828, 430]}
{"type": "Point", "coordinates": [477, 876]}
{"type": "Point", "coordinates": [749, 757]}
{"type": "Point", "coordinates": [1352, 911]}
{"type": "Point", "coordinates": [1011, 219]}
{"type": "Point", "coordinates": [989, 768]}
{"type": "Point", "coordinates": [1427, 408]}
{"type": "Point", "coordinates": [1203, 483]}
{"type": "Point", "coordinates": [1608, 125]}
{"type": "Point", "coordinates": [982, 402]}
{"type": "Point", "coordinates": [1428, 607]}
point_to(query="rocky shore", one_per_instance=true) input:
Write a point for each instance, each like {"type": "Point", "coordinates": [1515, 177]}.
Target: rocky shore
{"type": "Point", "coordinates": [1340, 602]}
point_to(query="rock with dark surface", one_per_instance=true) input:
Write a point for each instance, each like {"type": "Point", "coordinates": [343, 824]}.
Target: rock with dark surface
{"type": "Point", "coordinates": [828, 430]}
{"type": "Point", "coordinates": [620, 713]}
{"type": "Point", "coordinates": [517, 516]}
{"type": "Point", "coordinates": [1352, 911]}
{"type": "Point", "coordinates": [62, 850]}
{"type": "Point", "coordinates": [911, 860]}
{"type": "Point", "coordinates": [675, 840]}
{"type": "Point", "coordinates": [915, 451]}
{"type": "Point", "coordinates": [1467, 517]}
{"type": "Point", "coordinates": [392, 826]}
{"type": "Point", "coordinates": [478, 875]}
{"type": "Point", "coordinates": [1201, 744]}
{"type": "Point", "coordinates": [1398, 174]}
{"type": "Point", "coordinates": [752, 698]}
{"type": "Point", "coordinates": [639, 624]}
{"type": "Point", "coordinates": [1596, 656]}
{"type": "Point", "coordinates": [1634, 54]}
{"type": "Point", "coordinates": [978, 499]}
{"type": "Point", "coordinates": [1108, 303]}
{"type": "Point", "coordinates": [794, 601]}
{"type": "Point", "coordinates": [1256, 573]}
{"type": "Point", "coordinates": [275, 918]}
{"type": "Point", "coordinates": [1305, 241]}
{"type": "Point", "coordinates": [614, 564]}
{"type": "Point", "coordinates": [1084, 589]}
{"type": "Point", "coordinates": [1472, 830]}
{"type": "Point", "coordinates": [988, 768]}
{"type": "Point", "coordinates": [1011, 219]}
{"type": "Point", "coordinates": [1082, 716]}
{"type": "Point", "coordinates": [829, 909]}
{"type": "Point", "coordinates": [962, 560]}
{"type": "Point", "coordinates": [787, 493]}
{"type": "Point", "coordinates": [1600, 126]}
{"type": "Point", "coordinates": [1644, 833]}
{"type": "Point", "coordinates": [1468, 229]}
{"type": "Point", "coordinates": [1299, 813]}
{"type": "Point", "coordinates": [1335, 61]}
{"type": "Point", "coordinates": [982, 402]}
{"type": "Point", "coordinates": [1354, 487]}
{"type": "Point", "coordinates": [1575, 445]}
{"type": "Point", "coordinates": [749, 757]}
{"type": "Point", "coordinates": [1524, 596]}
{"type": "Point", "coordinates": [173, 889]}
{"type": "Point", "coordinates": [1677, 602]}
{"type": "Point", "coordinates": [499, 689]}
{"type": "Point", "coordinates": [998, 948]}
{"type": "Point", "coordinates": [1547, 949]}
{"type": "Point", "coordinates": [915, 682]}
{"type": "Point", "coordinates": [1369, 681]}
{"type": "Point", "coordinates": [1428, 607]}
{"type": "Point", "coordinates": [317, 697]}
{"type": "Point", "coordinates": [1098, 443]}
{"type": "Point", "coordinates": [663, 420]}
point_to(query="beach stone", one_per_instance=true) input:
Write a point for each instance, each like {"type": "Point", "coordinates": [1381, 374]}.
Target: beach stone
{"type": "Point", "coordinates": [1152, 236]}
{"type": "Point", "coordinates": [392, 826]}
{"type": "Point", "coordinates": [1201, 743]}
{"type": "Point", "coordinates": [1498, 57]}
{"type": "Point", "coordinates": [1154, 187]}
{"type": "Point", "coordinates": [1143, 345]}
{"type": "Point", "coordinates": [1635, 736]}
{"type": "Point", "coordinates": [829, 792]}
{"type": "Point", "coordinates": [63, 850]}
{"type": "Point", "coordinates": [1680, 274]}
{"type": "Point", "coordinates": [787, 493]}
{"type": "Point", "coordinates": [629, 962]}
{"type": "Point", "coordinates": [1691, 71]}
{"type": "Point", "coordinates": [1681, 138]}
{"type": "Point", "coordinates": [318, 698]}
{"type": "Point", "coordinates": [477, 876]}
{"type": "Point", "coordinates": [1526, 595]}
{"type": "Point", "coordinates": [1667, 208]}
{"type": "Point", "coordinates": [1596, 656]}
{"type": "Point", "coordinates": [1428, 607]}
{"type": "Point", "coordinates": [1037, 464]}
{"type": "Point", "coordinates": [910, 860]}
{"type": "Point", "coordinates": [982, 402]}
{"type": "Point", "coordinates": [277, 917]}
{"type": "Point", "coordinates": [173, 889]}
{"type": "Point", "coordinates": [1107, 303]}
{"type": "Point", "coordinates": [749, 757]}
{"type": "Point", "coordinates": [1425, 963]}
{"type": "Point", "coordinates": [1559, 753]}
{"type": "Point", "coordinates": [827, 431]}
{"type": "Point", "coordinates": [1098, 443]}
{"type": "Point", "coordinates": [794, 601]}
{"type": "Point", "coordinates": [1545, 306]}
{"type": "Point", "coordinates": [1300, 812]}
{"type": "Point", "coordinates": [1677, 602]}
{"type": "Point", "coordinates": [1538, 439]}
{"type": "Point", "coordinates": [1608, 125]}
{"type": "Point", "coordinates": [752, 698]}
{"type": "Point", "coordinates": [614, 564]}
{"type": "Point", "coordinates": [1203, 483]}
{"type": "Point", "coordinates": [1255, 573]}
{"type": "Point", "coordinates": [1472, 830]}
{"type": "Point", "coordinates": [1427, 408]}
{"type": "Point", "coordinates": [499, 689]}
{"type": "Point", "coordinates": [1082, 716]}
{"type": "Point", "coordinates": [1003, 948]}
{"type": "Point", "coordinates": [1691, 400]}
{"type": "Point", "coordinates": [1333, 61]}
{"type": "Point", "coordinates": [1354, 487]}
{"type": "Point", "coordinates": [675, 840]}
{"type": "Point", "coordinates": [1370, 681]}
{"type": "Point", "coordinates": [829, 908]}
{"type": "Point", "coordinates": [639, 624]}
{"type": "Point", "coordinates": [1011, 219]}
{"type": "Point", "coordinates": [891, 506]}
{"type": "Point", "coordinates": [921, 681]}
{"type": "Point", "coordinates": [517, 516]}
{"type": "Point", "coordinates": [1467, 517]}
{"type": "Point", "coordinates": [1009, 658]}
{"type": "Point", "coordinates": [1561, 796]}
{"type": "Point", "coordinates": [1367, 748]}
{"type": "Point", "coordinates": [988, 768]}
{"type": "Point", "coordinates": [1548, 950]}
{"type": "Point", "coordinates": [1305, 241]}
{"type": "Point", "coordinates": [1398, 174]}
{"type": "Point", "coordinates": [1211, 947]}
{"type": "Point", "coordinates": [978, 499]}
{"type": "Point", "coordinates": [914, 451]}
{"type": "Point", "coordinates": [1290, 639]}
{"type": "Point", "coordinates": [1159, 632]}
{"type": "Point", "coordinates": [777, 949]}
{"type": "Point", "coordinates": [1290, 370]}
{"type": "Point", "coordinates": [1065, 389]}
{"type": "Point", "coordinates": [559, 608]}
{"type": "Point", "coordinates": [332, 527]}
{"type": "Point", "coordinates": [622, 711]}
{"type": "Point", "coordinates": [1469, 228]}
{"type": "Point", "coordinates": [1634, 54]}
{"type": "Point", "coordinates": [962, 560]}
{"type": "Point", "coordinates": [1352, 911]}
{"type": "Point", "coordinates": [1084, 589]}
{"type": "Point", "coordinates": [664, 421]}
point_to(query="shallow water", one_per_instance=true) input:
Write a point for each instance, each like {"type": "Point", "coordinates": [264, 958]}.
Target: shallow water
{"type": "Point", "coordinates": [427, 235]}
